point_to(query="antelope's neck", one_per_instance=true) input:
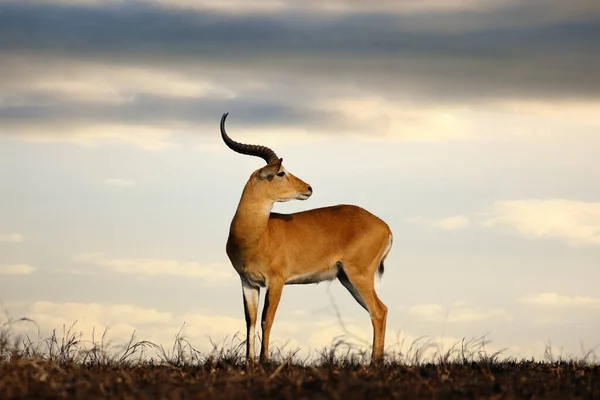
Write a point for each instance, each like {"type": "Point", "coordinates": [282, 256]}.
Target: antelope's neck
{"type": "Point", "coordinates": [251, 218]}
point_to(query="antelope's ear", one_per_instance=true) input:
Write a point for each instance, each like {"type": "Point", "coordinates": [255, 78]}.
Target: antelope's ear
{"type": "Point", "coordinates": [270, 170]}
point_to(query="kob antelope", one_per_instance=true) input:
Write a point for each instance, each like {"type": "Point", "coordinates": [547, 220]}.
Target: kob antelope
{"type": "Point", "coordinates": [272, 250]}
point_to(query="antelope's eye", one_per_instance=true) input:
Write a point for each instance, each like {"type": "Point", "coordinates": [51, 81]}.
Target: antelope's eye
{"type": "Point", "coordinates": [281, 173]}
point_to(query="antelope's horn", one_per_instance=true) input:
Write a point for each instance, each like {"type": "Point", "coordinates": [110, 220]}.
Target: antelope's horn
{"type": "Point", "coordinates": [249, 149]}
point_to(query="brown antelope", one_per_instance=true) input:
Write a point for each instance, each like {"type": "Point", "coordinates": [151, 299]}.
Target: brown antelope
{"type": "Point", "coordinates": [271, 250]}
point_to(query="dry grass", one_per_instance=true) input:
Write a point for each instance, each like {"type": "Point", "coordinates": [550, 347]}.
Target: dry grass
{"type": "Point", "coordinates": [65, 366]}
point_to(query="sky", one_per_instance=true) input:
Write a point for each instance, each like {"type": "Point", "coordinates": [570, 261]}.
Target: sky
{"type": "Point", "coordinates": [470, 127]}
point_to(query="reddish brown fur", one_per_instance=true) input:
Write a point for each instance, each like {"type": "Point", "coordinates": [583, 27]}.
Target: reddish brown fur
{"type": "Point", "coordinates": [267, 249]}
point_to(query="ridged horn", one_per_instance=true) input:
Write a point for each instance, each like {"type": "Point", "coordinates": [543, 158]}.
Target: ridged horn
{"type": "Point", "coordinates": [249, 149]}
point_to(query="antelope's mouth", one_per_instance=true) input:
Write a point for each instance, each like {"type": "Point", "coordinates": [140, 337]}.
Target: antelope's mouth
{"type": "Point", "coordinates": [303, 196]}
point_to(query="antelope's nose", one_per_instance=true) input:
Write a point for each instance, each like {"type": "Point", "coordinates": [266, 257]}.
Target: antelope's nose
{"type": "Point", "coordinates": [309, 188]}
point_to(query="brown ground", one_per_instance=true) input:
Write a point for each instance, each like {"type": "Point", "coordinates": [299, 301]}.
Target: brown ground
{"type": "Point", "coordinates": [31, 378]}
{"type": "Point", "coordinates": [57, 368]}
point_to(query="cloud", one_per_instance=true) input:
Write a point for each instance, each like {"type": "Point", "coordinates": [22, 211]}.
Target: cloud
{"type": "Point", "coordinates": [555, 9]}
{"type": "Point", "coordinates": [577, 223]}
{"type": "Point", "coordinates": [160, 327]}
{"type": "Point", "coordinates": [308, 335]}
{"type": "Point", "coordinates": [449, 224]}
{"type": "Point", "coordinates": [11, 238]}
{"type": "Point", "coordinates": [93, 134]}
{"type": "Point", "coordinates": [148, 73]}
{"type": "Point", "coordinates": [147, 267]}
{"type": "Point", "coordinates": [103, 83]}
{"type": "Point", "coordinates": [119, 182]}
{"type": "Point", "coordinates": [17, 269]}
{"type": "Point", "coordinates": [396, 120]}
{"type": "Point", "coordinates": [410, 55]}
{"type": "Point", "coordinates": [241, 7]}
{"type": "Point", "coordinates": [452, 223]}
{"type": "Point", "coordinates": [91, 319]}
{"type": "Point", "coordinates": [459, 312]}
{"type": "Point", "coordinates": [584, 112]}
{"type": "Point", "coordinates": [104, 314]}
{"type": "Point", "coordinates": [557, 300]}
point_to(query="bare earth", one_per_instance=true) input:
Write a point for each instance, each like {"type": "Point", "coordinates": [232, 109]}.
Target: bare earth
{"type": "Point", "coordinates": [31, 378]}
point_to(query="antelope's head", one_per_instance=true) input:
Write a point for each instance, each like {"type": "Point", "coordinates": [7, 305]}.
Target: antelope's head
{"type": "Point", "coordinates": [272, 180]}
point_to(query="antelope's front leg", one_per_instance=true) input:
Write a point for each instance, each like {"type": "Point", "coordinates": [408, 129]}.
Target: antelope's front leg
{"type": "Point", "coordinates": [271, 302]}
{"type": "Point", "coordinates": [251, 294]}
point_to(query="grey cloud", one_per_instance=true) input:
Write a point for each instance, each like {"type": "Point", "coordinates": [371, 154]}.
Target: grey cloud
{"type": "Point", "coordinates": [154, 109]}
{"type": "Point", "coordinates": [139, 29]}
{"type": "Point", "coordinates": [489, 54]}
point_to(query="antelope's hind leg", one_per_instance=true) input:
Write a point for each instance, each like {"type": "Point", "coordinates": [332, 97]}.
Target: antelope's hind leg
{"type": "Point", "coordinates": [362, 289]}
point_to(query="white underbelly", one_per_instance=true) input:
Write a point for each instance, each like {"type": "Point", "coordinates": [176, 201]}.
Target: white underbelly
{"type": "Point", "coordinates": [313, 277]}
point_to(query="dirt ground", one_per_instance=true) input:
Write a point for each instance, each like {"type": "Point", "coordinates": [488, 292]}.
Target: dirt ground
{"type": "Point", "coordinates": [32, 378]}
{"type": "Point", "coordinates": [67, 367]}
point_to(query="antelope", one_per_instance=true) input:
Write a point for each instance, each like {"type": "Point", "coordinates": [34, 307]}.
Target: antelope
{"type": "Point", "coordinates": [271, 250]}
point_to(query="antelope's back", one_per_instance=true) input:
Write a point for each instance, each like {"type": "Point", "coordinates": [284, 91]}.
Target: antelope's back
{"type": "Point", "coordinates": [329, 231]}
